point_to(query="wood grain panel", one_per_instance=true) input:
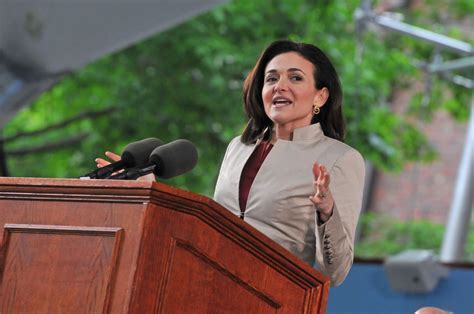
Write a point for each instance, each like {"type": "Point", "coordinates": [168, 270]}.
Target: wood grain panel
{"type": "Point", "coordinates": [203, 269]}
{"type": "Point", "coordinates": [265, 263]}
{"type": "Point", "coordinates": [194, 276]}
{"type": "Point", "coordinates": [128, 216]}
{"type": "Point", "coordinates": [38, 273]}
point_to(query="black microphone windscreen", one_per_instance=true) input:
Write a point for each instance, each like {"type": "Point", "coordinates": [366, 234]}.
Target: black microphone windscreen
{"type": "Point", "coordinates": [175, 158]}
{"type": "Point", "coordinates": [138, 153]}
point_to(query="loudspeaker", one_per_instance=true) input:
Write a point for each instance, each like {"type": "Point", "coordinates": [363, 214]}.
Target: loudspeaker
{"type": "Point", "coordinates": [414, 271]}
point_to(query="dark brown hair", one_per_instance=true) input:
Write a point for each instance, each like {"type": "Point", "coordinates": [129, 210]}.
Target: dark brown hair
{"type": "Point", "coordinates": [330, 117]}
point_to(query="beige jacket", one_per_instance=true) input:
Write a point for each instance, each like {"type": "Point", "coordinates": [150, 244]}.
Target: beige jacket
{"type": "Point", "coordinates": [278, 203]}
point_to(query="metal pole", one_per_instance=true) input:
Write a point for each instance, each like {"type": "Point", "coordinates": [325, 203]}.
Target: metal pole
{"type": "Point", "coordinates": [364, 15]}
{"type": "Point", "coordinates": [458, 64]}
{"type": "Point", "coordinates": [423, 34]}
{"type": "Point", "coordinates": [457, 227]}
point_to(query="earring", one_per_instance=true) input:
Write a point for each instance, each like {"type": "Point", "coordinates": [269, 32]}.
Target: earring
{"type": "Point", "coordinates": [316, 110]}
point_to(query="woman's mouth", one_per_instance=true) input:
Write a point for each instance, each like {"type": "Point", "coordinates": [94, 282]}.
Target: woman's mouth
{"type": "Point", "coordinates": [279, 102]}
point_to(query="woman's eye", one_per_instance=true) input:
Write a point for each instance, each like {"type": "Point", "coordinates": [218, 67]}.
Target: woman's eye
{"type": "Point", "coordinates": [270, 79]}
{"type": "Point", "coordinates": [296, 78]}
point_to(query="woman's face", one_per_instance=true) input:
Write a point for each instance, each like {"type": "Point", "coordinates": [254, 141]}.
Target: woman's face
{"type": "Point", "coordinates": [289, 91]}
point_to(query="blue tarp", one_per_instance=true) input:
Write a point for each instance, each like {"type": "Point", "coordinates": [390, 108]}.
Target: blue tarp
{"type": "Point", "coordinates": [366, 290]}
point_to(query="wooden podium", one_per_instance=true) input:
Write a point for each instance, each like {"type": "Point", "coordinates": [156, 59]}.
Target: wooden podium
{"type": "Point", "coordinates": [104, 246]}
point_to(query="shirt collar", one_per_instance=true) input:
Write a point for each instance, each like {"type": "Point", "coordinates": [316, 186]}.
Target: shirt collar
{"type": "Point", "coordinates": [310, 132]}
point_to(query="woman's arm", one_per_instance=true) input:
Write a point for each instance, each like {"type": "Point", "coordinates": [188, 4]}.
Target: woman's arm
{"type": "Point", "coordinates": [335, 248]}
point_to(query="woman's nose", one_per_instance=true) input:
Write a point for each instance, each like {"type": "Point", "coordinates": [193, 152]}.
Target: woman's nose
{"type": "Point", "coordinates": [281, 85]}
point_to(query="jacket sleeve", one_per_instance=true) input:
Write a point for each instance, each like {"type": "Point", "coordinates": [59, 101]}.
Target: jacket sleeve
{"type": "Point", "coordinates": [335, 239]}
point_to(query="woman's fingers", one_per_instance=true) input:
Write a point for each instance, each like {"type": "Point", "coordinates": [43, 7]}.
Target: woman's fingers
{"type": "Point", "coordinates": [321, 180]}
{"type": "Point", "coordinates": [324, 177]}
{"type": "Point", "coordinates": [101, 162]}
{"type": "Point", "coordinates": [327, 179]}
{"type": "Point", "coordinates": [320, 190]}
{"type": "Point", "coordinates": [316, 170]}
{"type": "Point", "coordinates": [113, 156]}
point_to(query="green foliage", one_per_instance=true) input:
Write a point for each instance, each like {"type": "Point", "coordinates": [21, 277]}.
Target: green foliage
{"type": "Point", "coordinates": [186, 83]}
{"type": "Point", "coordinates": [458, 8]}
{"type": "Point", "coordinates": [382, 236]}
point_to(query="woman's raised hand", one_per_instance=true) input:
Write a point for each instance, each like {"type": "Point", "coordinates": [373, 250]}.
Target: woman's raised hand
{"type": "Point", "coordinates": [322, 198]}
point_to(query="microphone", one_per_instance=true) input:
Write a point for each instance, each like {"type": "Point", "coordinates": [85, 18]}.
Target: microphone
{"type": "Point", "coordinates": [134, 154]}
{"type": "Point", "coordinates": [166, 161]}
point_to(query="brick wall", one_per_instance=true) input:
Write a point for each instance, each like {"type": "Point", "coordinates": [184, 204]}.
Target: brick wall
{"type": "Point", "coordinates": [422, 190]}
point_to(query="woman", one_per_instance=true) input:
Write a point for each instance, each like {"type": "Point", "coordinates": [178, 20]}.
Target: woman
{"type": "Point", "coordinates": [289, 174]}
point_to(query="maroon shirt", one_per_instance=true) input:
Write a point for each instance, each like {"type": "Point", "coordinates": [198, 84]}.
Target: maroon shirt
{"type": "Point", "coordinates": [249, 172]}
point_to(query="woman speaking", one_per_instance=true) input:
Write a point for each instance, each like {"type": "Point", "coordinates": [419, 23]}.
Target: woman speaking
{"type": "Point", "coordinates": [289, 174]}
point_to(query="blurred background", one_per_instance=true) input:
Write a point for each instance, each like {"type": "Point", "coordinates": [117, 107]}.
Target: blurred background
{"type": "Point", "coordinates": [79, 78]}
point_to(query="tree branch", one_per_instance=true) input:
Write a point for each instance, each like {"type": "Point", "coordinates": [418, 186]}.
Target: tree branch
{"type": "Point", "coordinates": [80, 116]}
{"type": "Point", "coordinates": [48, 147]}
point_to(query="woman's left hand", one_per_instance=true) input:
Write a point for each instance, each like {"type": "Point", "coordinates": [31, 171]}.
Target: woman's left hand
{"type": "Point", "coordinates": [322, 198]}
{"type": "Point", "coordinates": [101, 162]}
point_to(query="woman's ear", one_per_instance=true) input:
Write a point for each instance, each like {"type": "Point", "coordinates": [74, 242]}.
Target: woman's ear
{"type": "Point", "coordinates": [321, 97]}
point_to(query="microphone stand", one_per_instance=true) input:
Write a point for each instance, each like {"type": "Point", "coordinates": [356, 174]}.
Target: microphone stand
{"type": "Point", "coordinates": [134, 173]}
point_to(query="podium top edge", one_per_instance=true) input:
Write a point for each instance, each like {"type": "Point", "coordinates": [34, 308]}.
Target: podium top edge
{"type": "Point", "coordinates": [9, 181]}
